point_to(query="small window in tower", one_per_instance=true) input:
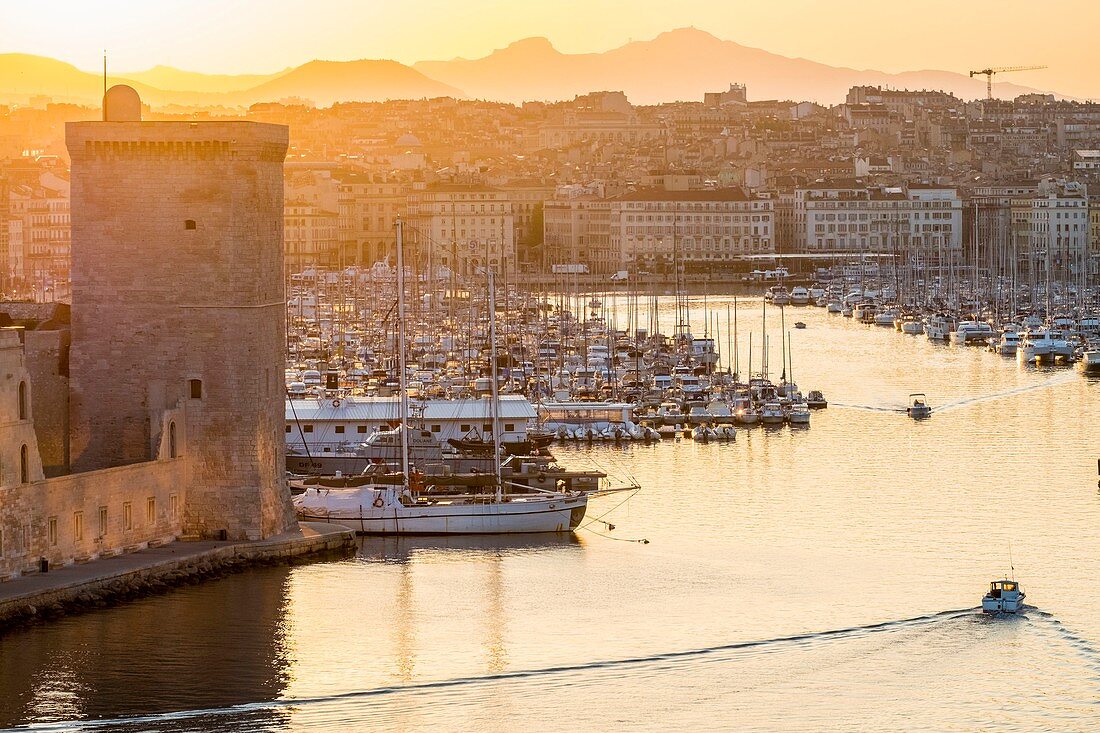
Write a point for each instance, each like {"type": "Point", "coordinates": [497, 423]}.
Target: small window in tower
{"type": "Point", "coordinates": [172, 439]}
{"type": "Point", "coordinates": [196, 388]}
{"type": "Point", "coordinates": [22, 400]}
{"type": "Point", "coordinates": [24, 465]}
{"type": "Point", "coordinates": [189, 224]}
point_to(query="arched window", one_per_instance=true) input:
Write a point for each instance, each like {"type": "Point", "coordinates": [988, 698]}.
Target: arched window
{"type": "Point", "coordinates": [172, 439]}
{"type": "Point", "coordinates": [22, 400]}
{"type": "Point", "coordinates": [24, 465]}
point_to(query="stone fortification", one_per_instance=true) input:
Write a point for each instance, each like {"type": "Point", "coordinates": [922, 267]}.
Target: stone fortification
{"type": "Point", "coordinates": [178, 303]}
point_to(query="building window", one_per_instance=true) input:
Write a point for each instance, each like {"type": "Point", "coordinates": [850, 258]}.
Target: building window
{"type": "Point", "coordinates": [172, 439]}
{"type": "Point", "coordinates": [22, 400]}
{"type": "Point", "coordinates": [464, 428]}
{"type": "Point", "coordinates": [102, 521]}
{"type": "Point", "coordinates": [78, 526]}
{"type": "Point", "coordinates": [307, 428]}
{"type": "Point", "coordinates": [436, 428]}
{"type": "Point", "coordinates": [340, 429]}
{"type": "Point", "coordinates": [361, 429]}
{"type": "Point", "coordinates": [24, 467]}
{"type": "Point", "coordinates": [189, 224]}
{"type": "Point", "coordinates": [51, 531]}
{"type": "Point", "coordinates": [196, 388]}
{"type": "Point", "coordinates": [151, 510]}
{"type": "Point", "coordinates": [487, 427]}
{"type": "Point", "coordinates": [509, 427]}
{"type": "Point", "coordinates": [288, 428]}
{"type": "Point", "coordinates": [127, 515]}
{"type": "Point", "coordinates": [174, 505]}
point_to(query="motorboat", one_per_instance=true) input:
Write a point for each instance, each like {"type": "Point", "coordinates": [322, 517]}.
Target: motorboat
{"type": "Point", "coordinates": [911, 325]}
{"type": "Point", "coordinates": [939, 327]}
{"type": "Point", "coordinates": [798, 414]}
{"type": "Point", "coordinates": [815, 400]}
{"type": "Point", "coordinates": [772, 414]}
{"type": "Point", "coordinates": [886, 317]}
{"type": "Point", "coordinates": [834, 306]}
{"type": "Point", "coordinates": [799, 325]}
{"type": "Point", "coordinates": [1089, 358]}
{"type": "Point", "coordinates": [1042, 345]}
{"type": "Point", "coordinates": [918, 408]}
{"type": "Point", "coordinates": [1006, 345]}
{"type": "Point", "coordinates": [800, 295]}
{"type": "Point", "coordinates": [970, 333]}
{"type": "Point", "coordinates": [1004, 596]}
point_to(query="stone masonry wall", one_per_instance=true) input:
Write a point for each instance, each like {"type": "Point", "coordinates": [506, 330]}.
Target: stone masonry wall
{"type": "Point", "coordinates": [60, 518]}
{"type": "Point", "coordinates": [178, 298]}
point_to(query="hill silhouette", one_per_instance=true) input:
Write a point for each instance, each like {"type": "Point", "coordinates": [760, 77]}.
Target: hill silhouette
{"type": "Point", "coordinates": [677, 65]}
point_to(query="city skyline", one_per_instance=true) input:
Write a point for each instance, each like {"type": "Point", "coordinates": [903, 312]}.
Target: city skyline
{"type": "Point", "coordinates": [229, 38]}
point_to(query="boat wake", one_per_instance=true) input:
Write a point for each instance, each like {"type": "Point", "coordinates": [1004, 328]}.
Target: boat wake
{"type": "Point", "coordinates": [245, 709]}
{"type": "Point", "coordinates": [1083, 646]}
{"type": "Point", "coordinates": [1054, 381]}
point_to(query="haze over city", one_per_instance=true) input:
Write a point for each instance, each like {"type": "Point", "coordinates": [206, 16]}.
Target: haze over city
{"type": "Point", "coordinates": [217, 37]}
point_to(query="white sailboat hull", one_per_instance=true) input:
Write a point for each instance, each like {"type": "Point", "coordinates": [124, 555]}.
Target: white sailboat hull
{"type": "Point", "coordinates": [357, 510]}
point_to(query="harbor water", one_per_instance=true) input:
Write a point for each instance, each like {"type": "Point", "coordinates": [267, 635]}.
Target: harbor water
{"type": "Point", "coordinates": [818, 578]}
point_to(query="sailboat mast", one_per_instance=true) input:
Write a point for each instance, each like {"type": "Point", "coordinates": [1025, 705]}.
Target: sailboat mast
{"type": "Point", "coordinates": [401, 375]}
{"type": "Point", "coordinates": [495, 404]}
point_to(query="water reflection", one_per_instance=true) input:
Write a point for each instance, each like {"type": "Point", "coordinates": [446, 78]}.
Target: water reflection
{"type": "Point", "coordinates": [403, 549]}
{"type": "Point", "coordinates": [218, 644]}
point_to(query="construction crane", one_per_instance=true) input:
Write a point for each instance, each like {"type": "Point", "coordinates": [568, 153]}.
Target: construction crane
{"type": "Point", "coordinates": [993, 71]}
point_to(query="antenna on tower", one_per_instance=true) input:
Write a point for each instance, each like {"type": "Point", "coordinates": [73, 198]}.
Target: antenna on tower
{"type": "Point", "coordinates": [104, 85]}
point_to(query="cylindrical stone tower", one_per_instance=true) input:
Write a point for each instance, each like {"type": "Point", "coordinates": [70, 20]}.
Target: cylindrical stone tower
{"type": "Point", "coordinates": [177, 260]}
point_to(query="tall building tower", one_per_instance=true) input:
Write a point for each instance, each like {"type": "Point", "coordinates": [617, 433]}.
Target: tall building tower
{"type": "Point", "coordinates": [178, 303]}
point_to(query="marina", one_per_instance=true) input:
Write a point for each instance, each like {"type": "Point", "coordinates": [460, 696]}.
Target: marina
{"type": "Point", "coordinates": [804, 505]}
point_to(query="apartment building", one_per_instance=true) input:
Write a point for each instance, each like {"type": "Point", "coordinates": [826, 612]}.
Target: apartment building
{"type": "Point", "coordinates": [850, 217]}
{"type": "Point", "coordinates": [463, 228]}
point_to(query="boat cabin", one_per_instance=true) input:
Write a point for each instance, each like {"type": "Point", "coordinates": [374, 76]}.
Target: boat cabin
{"type": "Point", "coordinates": [999, 588]}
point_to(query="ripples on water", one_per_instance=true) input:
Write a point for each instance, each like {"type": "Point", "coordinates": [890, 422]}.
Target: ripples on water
{"type": "Point", "coordinates": [768, 596]}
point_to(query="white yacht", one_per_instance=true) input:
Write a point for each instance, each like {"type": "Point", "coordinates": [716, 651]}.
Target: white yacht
{"type": "Point", "coordinates": [834, 306]}
{"type": "Point", "coordinates": [1089, 359]}
{"type": "Point", "coordinates": [1043, 346]}
{"type": "Point", "coordinates": [1004, 596]}
{"type": "Point", "coordinates": [1007, 344]}
{"type": "Point", "coordinates": [970, 333]}
{"type": "Point", "coordinates": [939, 327]}
{"type": "Point", "coordinates": [772, 414]}
{"type": "Point", "coordinates": [912, 325]}
{"type": "Point", "coordinates": [800, 295]}
{"type": "Point", "coordinates": [887, 316]}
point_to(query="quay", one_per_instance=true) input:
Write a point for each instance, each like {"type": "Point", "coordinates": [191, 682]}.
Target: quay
{"type": "Point", "coordinates": [111, 579]}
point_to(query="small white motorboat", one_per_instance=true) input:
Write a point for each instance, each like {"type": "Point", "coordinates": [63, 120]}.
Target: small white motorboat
{"type": "Point", "coordinates": [1004, 596]}
{"type": "Point", "coordinates": [918, 406]}
{"type": "Point", "coordinates": [816, 400]}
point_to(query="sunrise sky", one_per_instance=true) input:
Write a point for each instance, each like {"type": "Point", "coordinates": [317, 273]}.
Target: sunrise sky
{"type": "Point", "coordinates": [240, 36]}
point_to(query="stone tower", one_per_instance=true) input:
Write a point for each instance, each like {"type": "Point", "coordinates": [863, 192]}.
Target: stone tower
{"type": "Point", "coordinates": [178, 302]}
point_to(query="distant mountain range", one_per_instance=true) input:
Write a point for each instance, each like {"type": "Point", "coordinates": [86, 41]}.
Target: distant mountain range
{"type": "Point", "coordinates": [675, 66]}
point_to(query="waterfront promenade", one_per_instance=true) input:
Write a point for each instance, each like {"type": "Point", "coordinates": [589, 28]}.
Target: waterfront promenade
{"type": "Point", "coordinates": [119, 577]}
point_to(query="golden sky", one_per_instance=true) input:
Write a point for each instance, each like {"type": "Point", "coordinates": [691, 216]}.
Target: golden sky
{"type": "Point", "coordinates": [241, 36]}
